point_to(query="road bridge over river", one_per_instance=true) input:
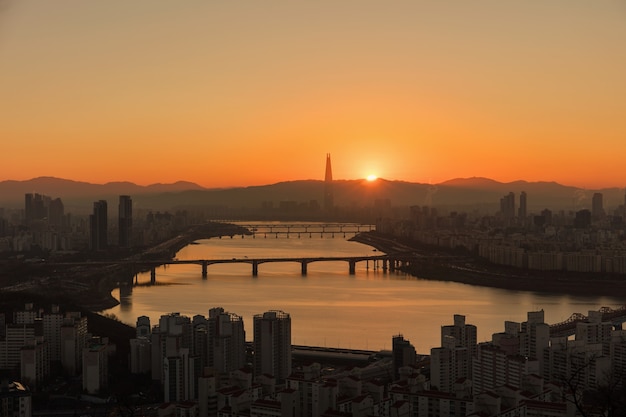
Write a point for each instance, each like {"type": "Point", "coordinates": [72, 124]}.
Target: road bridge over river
{"type": "Point", "coordinates": [385, 262]}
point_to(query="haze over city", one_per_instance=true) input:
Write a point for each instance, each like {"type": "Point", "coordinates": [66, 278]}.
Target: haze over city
{"type": "Point", "coordinates": [228, 94]}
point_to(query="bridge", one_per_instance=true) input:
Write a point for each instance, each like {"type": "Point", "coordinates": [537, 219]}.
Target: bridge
{"type": "Point", "coordinates": [568, 327]}
{"type": "Point", "coordinates": [386, 262]}
{"type": "Point", "coordinates": [306, 229]}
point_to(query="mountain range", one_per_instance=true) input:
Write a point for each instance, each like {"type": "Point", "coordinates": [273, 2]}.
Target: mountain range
{"type": "Point", "coordinates": [460, 193]}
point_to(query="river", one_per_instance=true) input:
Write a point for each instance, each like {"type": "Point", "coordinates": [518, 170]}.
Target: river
{"type": "Point", "coordinates": [329, 307]}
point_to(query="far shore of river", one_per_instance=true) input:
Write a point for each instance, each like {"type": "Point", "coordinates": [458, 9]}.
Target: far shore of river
{"type": "Point", "coordinates": [439, 265]}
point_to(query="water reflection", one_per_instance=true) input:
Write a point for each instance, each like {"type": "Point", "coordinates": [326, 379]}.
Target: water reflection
{"type": "Point", "coordinates": [328, 306]}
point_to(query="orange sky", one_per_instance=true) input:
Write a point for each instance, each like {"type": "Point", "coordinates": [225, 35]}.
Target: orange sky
{"type": "Point", "coordinates": [248, 93]}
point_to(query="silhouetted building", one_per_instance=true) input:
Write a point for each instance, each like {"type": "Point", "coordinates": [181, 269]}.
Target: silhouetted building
{"type": "Point", "coordinates": [98, 226]}
{"type": "Point", "coordinates": [56, 214]}
{"type": "Point", "coordinates": [582, 219]}
{"type": "Point", "coordinates": [272, 344]}
{"type": "Point", "coordinates": [523, 210]}
{"type": "Point", "coordinates": [34, 208]}
{"type": "Point", "coordinates": [403, 353]}
{"type": "Point", "coordinates": [226, 341]}
{"type": "Point", "coordinates": [125, 221]}
{"type": "Point", "coordinates": [597, 207]}
{"type": "Point", "coordinates": [329, 202]}
{"type": "Point", "coordinates": [507, 206]}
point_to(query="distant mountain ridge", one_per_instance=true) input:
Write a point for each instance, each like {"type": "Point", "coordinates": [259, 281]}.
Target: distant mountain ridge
{"type": "Point", "coordinates": [53, 186]}
{"type": "Point", "coordinates": [458, 193]}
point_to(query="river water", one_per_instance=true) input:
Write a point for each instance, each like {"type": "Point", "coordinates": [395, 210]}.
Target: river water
{"type": "Point", "coordinates": [329, 307]}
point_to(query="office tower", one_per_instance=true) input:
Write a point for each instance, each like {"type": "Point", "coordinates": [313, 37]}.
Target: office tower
{"type": "Point", "coordinates": [98, 226]}
{"type": "Point", "coordinates": [597, 208]}
{"type": "Point", "coordinates": [56, 214]}
{"type": "Point", "coordinates": [522, 212]}
{"type": "Point", "coordinates": [582, 219]}
{"type": "Point", "coordinates": [272, 344]}
{"type": "Point", "coordinates": [403, 354]}
{"type": "Point", "coordinates": [35, 207]}
{"type": "Point", "coordinates": [125, 221]}
{"type": "Point", "coordinates": [329, 202]}
{"type": "Point", "coordinates": [507, 206]}
{"type": "Point", "coordinates": [226, 341]}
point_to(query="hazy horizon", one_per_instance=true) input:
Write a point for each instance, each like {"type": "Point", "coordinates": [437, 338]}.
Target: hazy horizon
{"type": "Point", "coordinates": [304, 179]}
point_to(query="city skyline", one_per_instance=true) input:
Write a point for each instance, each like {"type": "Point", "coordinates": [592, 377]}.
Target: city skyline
{"type": "Point", "coordinates": [227, 96]}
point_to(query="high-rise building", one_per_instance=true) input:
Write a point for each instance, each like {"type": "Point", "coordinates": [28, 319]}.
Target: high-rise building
{"type": "Point", "coordinates": [95, 366]}
{"type": "Point", "coordinates": [35, 207]}
{"type": "Point", "coordinates": [272, 344]}
{"type": "Point", "coordinates": [523, 207]}
{"type": "Point", "coordinates": [329, 201]}
{"type": "Point", "coordinates": [597, 207]}
{"type": "Point", "coordinates": [226, 341]}
{"type": "Point", "coordinates": [34, 363]}
{"type": "Point", "coordinates": [507, 206]}
{"type": "Point", "coordinates": [56, 214]}
{"type": "Point", "coordinates": [173, 361]}
{"type": "Point", "coordinates": [143, 326]}
{"type": "Point", "coordinates": [52, 323]}
{"type": "Point", "coordinates": [16, 336]}
{"type": "Point", "coordinates": [465, 335]}
{"type": "Point", "coordinates": [73, 338]}
{"type": "Point", "coordinates": [534, 335]}
{"type": "Point", "coordinates": [125, 221]}
{"type": "Point", "coordinates": [403, 354]}
{"type": "Point", "coordinates": [98, 226]}
{"type": "Point", "coordinates": [453, 360]}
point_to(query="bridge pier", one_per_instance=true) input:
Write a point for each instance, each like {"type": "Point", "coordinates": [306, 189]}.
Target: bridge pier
{"type": "Point", "coordinates": [204, 273]}
{"type": "Point", "coordinates": [255, 268]}
{"type": "Point", "coordinates": [304, 265]}
{"type": "Point", "coordinates": [352, 267]}
{"type": "Point", "coordinates": [153, 276]}
{"type": "Point", "coordinates": [384, 265]}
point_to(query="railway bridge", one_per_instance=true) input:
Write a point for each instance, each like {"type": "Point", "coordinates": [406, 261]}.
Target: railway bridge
{"type": "Point", "coordinates": [568, 327]}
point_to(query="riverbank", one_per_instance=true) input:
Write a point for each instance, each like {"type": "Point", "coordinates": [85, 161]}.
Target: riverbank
{"type": "Point", "coordinates": [164, 251]}
{"type": "Point", "coordinates": [90, 286]}
{"type": "Point", "coordinates": [439, 265]}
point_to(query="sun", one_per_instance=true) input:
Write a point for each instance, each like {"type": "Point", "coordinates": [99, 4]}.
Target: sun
{"type": "Point", "coordinates": [371, 177]}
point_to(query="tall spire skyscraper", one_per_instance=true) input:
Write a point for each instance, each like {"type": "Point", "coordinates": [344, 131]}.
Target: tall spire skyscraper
{"type": "Point", "coordinates": [328, 187]}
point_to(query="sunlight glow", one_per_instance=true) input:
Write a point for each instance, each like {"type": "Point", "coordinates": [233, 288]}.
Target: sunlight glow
{"type": "Point", "coordinates": [372, 177]}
